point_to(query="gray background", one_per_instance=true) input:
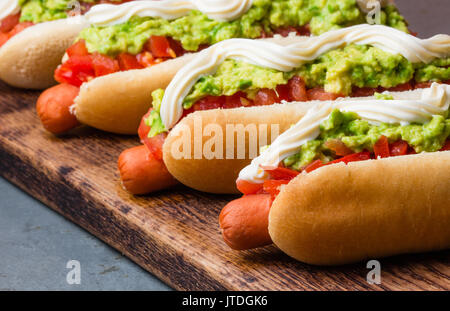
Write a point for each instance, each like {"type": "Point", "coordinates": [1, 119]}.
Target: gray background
{"type": "Point", "coordinates": [36, 243]}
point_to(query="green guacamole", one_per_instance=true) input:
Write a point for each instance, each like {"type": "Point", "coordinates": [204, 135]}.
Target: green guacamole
{"type": "Point", "coordinates": [337, 71]}
{"type": "Point", "coordinates": [197, 29]}
{"type": "Point", "coordinates": [359, 135]}
{"type": "Point", "coordinates": [38, 11]}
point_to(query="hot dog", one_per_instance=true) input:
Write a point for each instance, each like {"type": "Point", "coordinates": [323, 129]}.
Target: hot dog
{"type": "Point", "coordinates": [34, 35]}
{"type": "Point", "coordinates": [298, 81]}
{"type": "Point", "coordinates": [113, 100]}
{"type": "Point", "coordinates": [351, 200]}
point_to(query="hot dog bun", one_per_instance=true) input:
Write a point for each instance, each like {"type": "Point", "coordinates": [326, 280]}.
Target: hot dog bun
{"type": "Point", "coordinates": [116, 102]}
{"type": "Point", "coordinates": [346, 213]}
{"type": "Point", "coordinates": [219, 175]}
{"type": "Point", "coordinates": [29, 59]}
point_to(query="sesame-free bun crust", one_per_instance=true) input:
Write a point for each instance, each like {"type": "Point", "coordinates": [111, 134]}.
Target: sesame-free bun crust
{"type": "Point", "coordinates": [116, 102]}
{"type": "Point", "coordinates": [365, 210]}
{"type": "Point", "coordinates": [29, 59]}
{"type": "Point", "coordinates": [218, 175]}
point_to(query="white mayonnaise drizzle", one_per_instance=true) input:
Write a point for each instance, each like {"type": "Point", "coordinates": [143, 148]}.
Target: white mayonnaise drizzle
{"type": "Point", "coordinates": [8, 7]}
{"type": "Point", "coordinates": [407, 107]}
{"type": "Point", "coordinates": [221, 10]}
{"type": "Point", "coordinates": [286, 58]}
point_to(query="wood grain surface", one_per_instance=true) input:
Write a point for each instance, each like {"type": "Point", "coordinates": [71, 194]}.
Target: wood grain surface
{"type": "Point", "coordinates": [173, 234]}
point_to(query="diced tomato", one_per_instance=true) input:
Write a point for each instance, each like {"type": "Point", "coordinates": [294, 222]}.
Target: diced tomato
{"type": "Point", "coordinates": [75, 70]}
{"type": "Point", "coordinates": [9, 22]}
{"type": "Point", "coordinates": [235, 100]}
{"type": "Point", "coordinates": [314, 165]}
{"type": "Point", "coordinates": [363, 91]}
{"type": "Point", "coordinates": [281, 173]}
{"type": "Point", "coordinates": [209, 102]}
{"type": "Point", "coordinates": [297, 89]}
{"type": "Point", "coordinates": [446, 146]}
{"type": "Point", "coordinates": [155, 145]}
{"type": "Point", "coordinates": [104, 65]}
{"type": "Point", "coordinates": [128, 62]}
{"type": "Point", "coordinates": [144, 128]}
{"type": "Point", "coordinates": [160, 47]}
{"type": "Point", "coordinates": [398, 148]}
{"type": "Point", "coordinates": [78, 49]}
{"type": "Point", "coordinates": [283, 92]}
{"type": "Point", "coordinates": [176, 47]}
{"type": "Point", "coordinates": [338, 147]}
{"type": "Point", "coordinates": [273, 186]}
{"type": "Point", "coordinates": [266, 97]}
{"type": "Point", "coordinates": [381, 148]}
{"type": "Point", "coordinates": [318, 93]}
{"type": "Point", "coordinates": [401, 87]}
{"type": "Point", "coordinates": [360, 156]}
{"type": "Point", "coordinates": [422, 85]}
{"type": "Point", "coordinates": [3, 38]}
{"type": "Point", "coordinates": [300, 30]}
{"type": "Point", "coordinates": [247, 187]}
{"type": "Point", "coordinates": [19, 28]}
{"type": "Point", "coordinates": [145, 59]}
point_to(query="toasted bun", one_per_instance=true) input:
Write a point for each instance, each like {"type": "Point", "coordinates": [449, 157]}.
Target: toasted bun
{"type": "Point", "coordinates": [28, 59]}
{"type": "Point", "coordinates": [364, 210]}
{"type": "Point", "coordinates": [218, 175]}
{"type": "Point", "coordinates": [116, 102]}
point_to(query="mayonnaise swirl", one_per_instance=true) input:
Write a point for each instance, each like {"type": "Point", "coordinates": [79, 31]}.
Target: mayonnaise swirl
{"type": "Point", "coordinates": [407, 107]}
{"type": "Point", "coordinates": [221, 10]}
{"type": "Point", "coordinates": [8, 7]}
{"type": "Point", "coordinates": [286, 58]}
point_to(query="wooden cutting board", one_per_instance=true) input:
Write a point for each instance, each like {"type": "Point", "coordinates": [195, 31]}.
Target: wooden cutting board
{"type": "Point", "coordinates": [173, 234]}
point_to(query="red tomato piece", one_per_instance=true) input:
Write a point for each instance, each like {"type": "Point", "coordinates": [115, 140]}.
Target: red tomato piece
{"type": "Point", "coordinates": [266, 97]}
{"type": "Point", "coordinates": [272, 187]}
{"type": "Point", "coordinates": [338, 147]}
{"type": "Point", "coordinates": [145, 59]}
{"type": "Point", "coordinates": [104, 65]}
{"type": "Point", "coordinates": [401, 87]}
{"type": "Point", "coordinates": [247, 187]}
{"type": "Point", "coordinates": [314, 165]}
{"type": "Point", "coordinates": [360, 156]}
{"type": "Point", "coordinates": [398, 148]}
{"type": "Point", "coordinates": [3, 38]}
{"type": "Point", "coordinates": [281, 173]}
{"type": "Point", "coordinates": [75, 70]}
{"type": "Point", "coordinates": [9, 22]}
{"type": "Point", "coordinates": [236, 100]}
{"type": "Point", "coordinates": [128, 62]}
{"type": "Point", "coordinates": [297, 89]}
{"type": "Point", "coordinates": [155, 145]}
{"type": "Point", "coordinates": [144, 128]}
{"type": "Point", "coordinates": [318, 93]}
{"type": "Point", "coordinates": [209, 102]}
{"type": "Point", "coordinates": [381, 148]}
{"type": "Point", "coordinates": [422, 85]}
{"type": "Point", "coordinates": [283, 92]}
{"type": "Point", "coordinates": [160, 47]}
{"type": "Point", "coordinates": [446, 146]}
{"type": "Point", "coordinates": [363, 91]}
{"type": "Point", "coordinates": [78, 49]}
{"type": "Point", "coordinates": [19, 28]}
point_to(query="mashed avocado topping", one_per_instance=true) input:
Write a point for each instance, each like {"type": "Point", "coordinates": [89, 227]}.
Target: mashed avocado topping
{"type": "Point", "coordinates": [154, 119]}
{"type": "Point", "coordinates": [197, 29]}
{"type": "Point", "coordinates": [337, 71]}
{"type": "Point", "coordinates": [359, 135]}
{"type": "Point", "coordinates": [38, 11]}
